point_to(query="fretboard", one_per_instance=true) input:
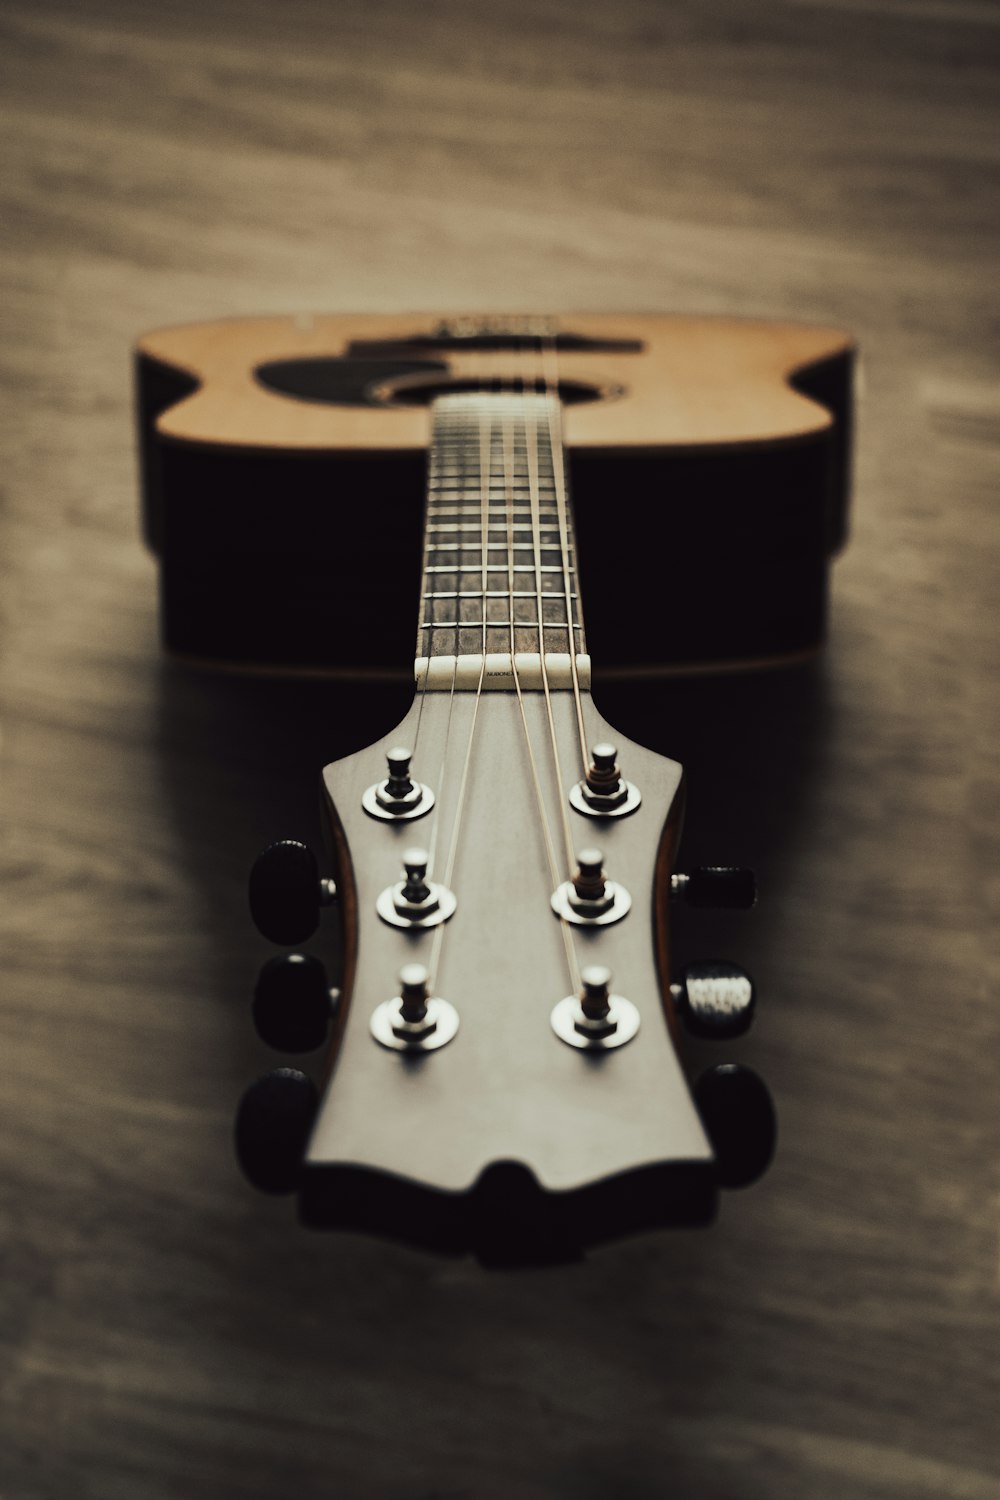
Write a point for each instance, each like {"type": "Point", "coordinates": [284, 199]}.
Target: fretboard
{"type": "Point", "coordinates": [499, 559]}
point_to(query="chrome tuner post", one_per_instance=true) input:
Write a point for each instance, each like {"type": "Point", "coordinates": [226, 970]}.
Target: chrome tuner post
{"type": "Point", "coordinates": [416, 901]}
{"type": "Point", "coordinates": [589, 900]}
{"type": "Point", "coordinates": [604, 793]}
{"type": "Point", "coordinates": [399, 797]}
{"type": "Point", "coordinates": [414, 1020]}
{"type": "Point", "coordinates": [595, 1020]}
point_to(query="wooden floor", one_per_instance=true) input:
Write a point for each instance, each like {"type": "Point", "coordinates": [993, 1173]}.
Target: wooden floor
{"type": "Point", "coordinates": [164, 1331]}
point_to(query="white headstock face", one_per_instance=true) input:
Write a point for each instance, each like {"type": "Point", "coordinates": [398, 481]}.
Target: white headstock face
{"type": "Point", "coordinates": [488, 1086]}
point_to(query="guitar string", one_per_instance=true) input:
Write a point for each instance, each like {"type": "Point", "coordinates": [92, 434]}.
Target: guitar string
{"type": "Point", "coordinates": [424, 633]}
{"type": "Point", "coordinates": [550, 375]}
{"type": "Point", "coordinates": [485, 433]}
{"type": "Point", "coordinates": [531, 454]}
{"type": "Point", "coordinates": [545, 374]}
{"type": "Point", "coordinates": [531, 433]}
{"type": "Point", "coordinates": [508, 454]}
{"type": "Point", "coordinates": [548, 371]}
{"type": "Point", "coordinates": [438, 424]}
{"type": "Point", "coordinates": [425, 639]}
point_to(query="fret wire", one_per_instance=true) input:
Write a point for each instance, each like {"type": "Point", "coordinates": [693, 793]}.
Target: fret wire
{"type": "Point", "coordinates": [459, 462]}
{"type": "Point", "coordinates": [471, 607]}
{"type": "Point", "coordinates": [472, 555]}
{"type": "Point", "coordinates": [469, 546]}
{"type": "Point", "coordinates": [466, 497]}
{"type": "Point", "coordinates": [476, 526]}
{"type": "Point", "coordinates": [464, 511]}
{"type": "Point", "coordinates": [496, 624]}
{"type": "Point", "coordinates": [493, 568]}
{"type": "Point", "coordinates": [549, 522]}
{"type": "Point", "coordinates": [469, 503]}
{"type": "Point", "coordinates": [468, 491]}
{"type": "Point", "coordinates": [549, 529]}
{"type": "Point", "coordinates": [494, 594]}
{"type": "Point", "coordinates": [468, 494]}
{"type": "Point", "coordinates": [475, 547]}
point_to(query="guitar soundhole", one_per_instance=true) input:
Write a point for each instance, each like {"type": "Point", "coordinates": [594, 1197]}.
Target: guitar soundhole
{"type": "Point", "coordinates": [341, 382]}
{"type": "Point", "coordinates": [421, 390]}
{"type": "Point", "coordinates": [401, 382]}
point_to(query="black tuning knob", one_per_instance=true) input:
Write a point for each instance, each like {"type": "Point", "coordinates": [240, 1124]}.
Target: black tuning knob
{"type": "Point", "coordinates": [715, 1000]}
{"type": "Point", "coordinates": [286, 892]}
{"type": "Point", "coordinates": [716, 885]}
{"type": "Point", "coordinates": [738, 1115]}
{"type": "Point", "coordinates": [273, 1124]}
{"type": "Point", "coordinates": [292, 1003]}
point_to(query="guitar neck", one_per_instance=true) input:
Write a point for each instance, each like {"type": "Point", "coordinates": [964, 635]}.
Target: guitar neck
{"type": "Point", "coordinates": [499, 595]}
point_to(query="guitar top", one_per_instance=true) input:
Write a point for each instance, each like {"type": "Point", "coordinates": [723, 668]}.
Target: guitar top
{"type": "Point", "coordinates": [436, 498]}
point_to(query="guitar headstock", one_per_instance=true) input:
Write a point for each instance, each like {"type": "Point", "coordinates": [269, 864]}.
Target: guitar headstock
{"type": "Point", "coordinates": [502, 1071]}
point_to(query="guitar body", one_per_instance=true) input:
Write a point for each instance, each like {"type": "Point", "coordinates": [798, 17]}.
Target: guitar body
{"type": "Point", "coordinates": [707, 459]}
{"type": "Point", "coordinates": [500, 1071]}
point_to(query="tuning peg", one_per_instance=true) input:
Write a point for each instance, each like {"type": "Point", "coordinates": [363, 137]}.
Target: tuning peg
{"type": "Point", "coordinates": [415, 901]}
{"type": "Point", "coordinates": [604, 792]}
{"type": "Point", "coordinates": [738, 1114]}
{"type": "Point", "coordinates": [715, 1000]}
{"type": "Point", "coordinates": [286, 892]}
{"type": "Point", "coordinates": [273, 1123]}
{"type": "Point", "coordinates": [590, 899]}
{"type": "Point", "coordinates": [293, 1002]}
{"type": "Point", "coordinates": [398, 798]}
{"type": "Point", "coordinates": [716, 885]}
{"type": "Point", "coordinates": [414, 1020]}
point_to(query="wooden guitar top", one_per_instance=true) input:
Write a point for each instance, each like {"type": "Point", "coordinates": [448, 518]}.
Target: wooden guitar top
{"type": "Point", "coordinates": [694, 381]}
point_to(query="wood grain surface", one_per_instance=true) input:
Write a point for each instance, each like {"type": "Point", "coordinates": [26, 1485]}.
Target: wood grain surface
{"type": "Point", "coordinates": [165, 1331]}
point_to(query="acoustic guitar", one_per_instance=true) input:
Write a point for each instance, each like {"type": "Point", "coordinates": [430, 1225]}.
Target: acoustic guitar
{"type": "Point", "coordinates": [501, 1057]}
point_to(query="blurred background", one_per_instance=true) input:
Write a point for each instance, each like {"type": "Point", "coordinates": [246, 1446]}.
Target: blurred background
{"type": "Point", "coordinates": [165, 1332]}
